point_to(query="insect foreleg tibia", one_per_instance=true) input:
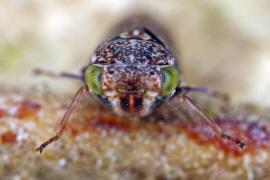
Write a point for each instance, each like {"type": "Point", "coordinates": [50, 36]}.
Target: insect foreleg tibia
{"type": "Point", "coordinates": [208, 91]}
{"type": "Point", "coordinates": [61, 126]}
{"type": "Point", "coordinates": [182, 95]}
{"type": "Point", "coordinates": [57, 74]}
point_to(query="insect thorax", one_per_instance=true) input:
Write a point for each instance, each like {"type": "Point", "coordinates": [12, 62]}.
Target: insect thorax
{"type": "Point", "coordinates": [131, 78]}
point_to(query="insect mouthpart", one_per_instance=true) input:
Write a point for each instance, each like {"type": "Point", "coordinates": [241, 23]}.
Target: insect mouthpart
{"type": "Point", "coordinates": [132, 104]}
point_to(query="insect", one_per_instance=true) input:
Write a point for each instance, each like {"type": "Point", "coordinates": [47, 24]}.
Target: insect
{"type": "Point", "coordinates": [132, 74]}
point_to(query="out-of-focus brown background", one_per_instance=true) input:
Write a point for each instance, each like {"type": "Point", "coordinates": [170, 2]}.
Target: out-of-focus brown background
{"type": "Point", "coordinates": [222, 44]}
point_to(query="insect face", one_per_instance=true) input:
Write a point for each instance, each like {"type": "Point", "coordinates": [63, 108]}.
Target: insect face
{"type": "Point", "coordinates": [131, 89]}
{"type": "Point", "coordinates": [132, 73]}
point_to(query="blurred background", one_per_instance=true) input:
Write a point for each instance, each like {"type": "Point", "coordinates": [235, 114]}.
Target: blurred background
{"type": "Point", "coordinates": [222, 44]}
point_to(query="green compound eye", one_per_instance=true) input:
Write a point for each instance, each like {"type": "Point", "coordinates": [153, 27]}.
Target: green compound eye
{"type": "Point", "coordinates": [93, 77]}
{"type": "Point", "coordinates": [170, 78]}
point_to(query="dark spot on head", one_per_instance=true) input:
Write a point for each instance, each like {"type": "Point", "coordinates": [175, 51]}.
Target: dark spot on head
{"type": "Point", "coordinates": [124, 103]}
{"type": "Point", "coordinates": [138, 103]}
{"type": "Point", "coordinates": [111, 72]}
{"type": "Point", "coordinates": [152, 72]}
{"type": "Point", "coordinates": [150, 49]}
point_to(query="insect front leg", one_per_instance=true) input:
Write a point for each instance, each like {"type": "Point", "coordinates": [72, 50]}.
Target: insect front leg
{"type": "Point", "coordinates": [181, 93]}
{"type": "Point", "coordinates": [61, 126]}
{"type": "Point", "coordinates": [57, 74]}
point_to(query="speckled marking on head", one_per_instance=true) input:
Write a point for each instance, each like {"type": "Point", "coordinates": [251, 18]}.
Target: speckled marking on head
{"type": "Point", "coordinates": [132, 51]}
{"type": "Point", "coordinates": [131, 78]}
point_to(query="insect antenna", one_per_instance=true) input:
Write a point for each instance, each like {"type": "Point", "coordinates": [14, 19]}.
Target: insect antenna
{"type": "Point", "coordinates": [57, 74]}
{"type": "Point", "coordinates": [211, 92]}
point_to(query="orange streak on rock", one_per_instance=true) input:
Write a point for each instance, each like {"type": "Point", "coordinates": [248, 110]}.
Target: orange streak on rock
{"type": "Point", "coordinates": [254, 135]}
{"type": "Point", "coordinates": [95, 124]}
{"type": "Point", "coordinates": [27, 109]}
{"type": "Point", "coordinates": [2, 113]}
{"type": "Point", "coordinates": [8, 137]}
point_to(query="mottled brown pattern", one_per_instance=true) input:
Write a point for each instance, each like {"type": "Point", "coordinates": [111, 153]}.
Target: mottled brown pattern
{"type": "Point", "coordinates": [133, 51]}
{"type": "Point", "coordinates": [131, 78]}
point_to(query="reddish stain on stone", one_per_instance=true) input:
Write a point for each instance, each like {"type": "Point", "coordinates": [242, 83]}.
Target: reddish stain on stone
{"type": "Point", "coordinates": [8, 137]}
{"type": "Point", "coordinates": [2, 113]}
{"type": "Point", "coordinates": [27, 109]}
{"type": "Point", "coordinates": [108, 123]}
{"type": "Point", "coordinates": [94, 124]}
{"type": "Point", "coordinates": [255, 136]}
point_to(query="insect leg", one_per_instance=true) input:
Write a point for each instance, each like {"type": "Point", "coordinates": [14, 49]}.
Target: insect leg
{"type": "Point", "coordinates": [57, 74]}
{"type": "Point", "coordinates": [61, 126]}
{"type": "Point", "coordinates": [182, 95]}
{"type": "Point", "coordinates": [208, 91]}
